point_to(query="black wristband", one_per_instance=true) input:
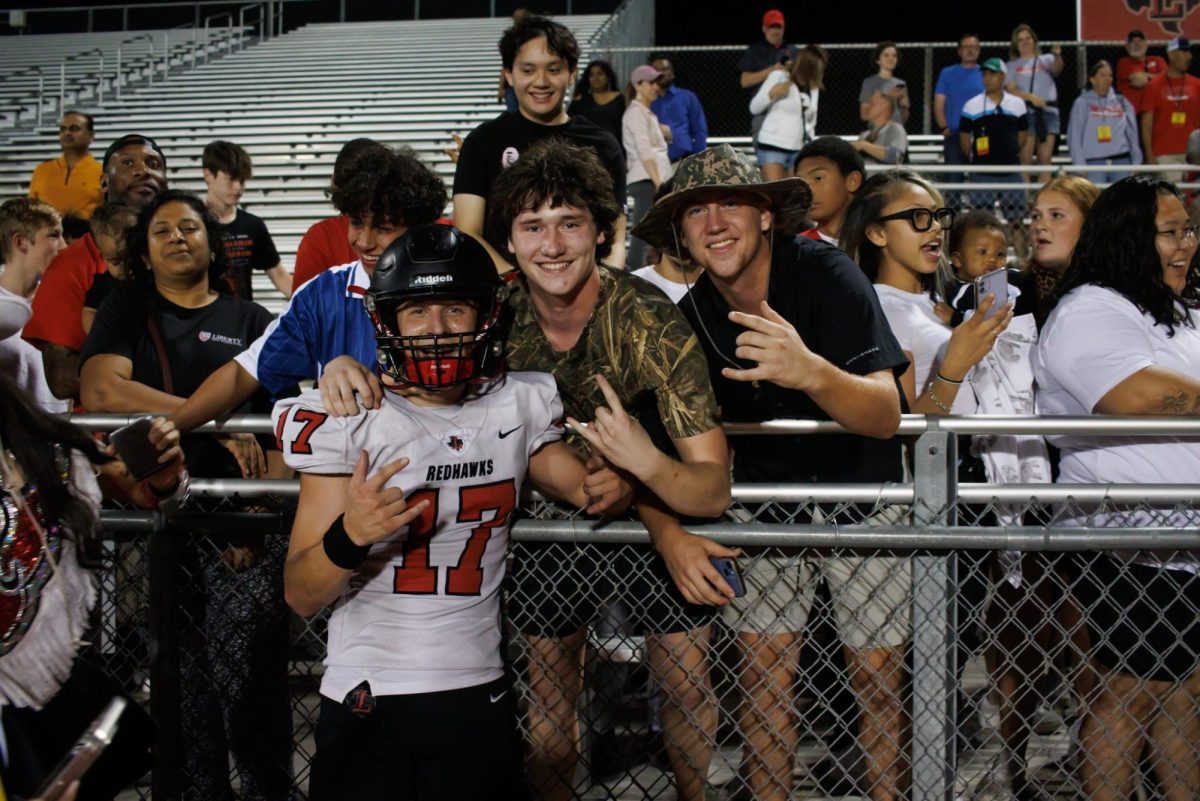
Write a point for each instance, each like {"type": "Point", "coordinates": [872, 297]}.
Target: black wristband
{"type": "Point", "coordinates": [340, 549]}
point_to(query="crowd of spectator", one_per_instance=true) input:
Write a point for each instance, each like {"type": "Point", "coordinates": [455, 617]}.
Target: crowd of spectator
{"type": "Point", "coordinates": [595, 234]}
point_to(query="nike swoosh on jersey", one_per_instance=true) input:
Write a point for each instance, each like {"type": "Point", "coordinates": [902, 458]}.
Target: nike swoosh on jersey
{"type": "Point", "coordinates": [504, 434]}
{"type": "Point", "coordinates": [495, 698]}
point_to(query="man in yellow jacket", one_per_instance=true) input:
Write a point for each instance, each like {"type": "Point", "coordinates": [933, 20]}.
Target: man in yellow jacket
{"type": "Point", "coordinates": [71, 182]}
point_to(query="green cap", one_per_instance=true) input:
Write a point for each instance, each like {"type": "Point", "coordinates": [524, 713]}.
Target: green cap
{"type": "Point", "coordinates": [994, 65]}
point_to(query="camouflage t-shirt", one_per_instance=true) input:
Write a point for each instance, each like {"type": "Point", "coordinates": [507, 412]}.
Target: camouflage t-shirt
{"type": "Point", "coordinates": [638, 340]}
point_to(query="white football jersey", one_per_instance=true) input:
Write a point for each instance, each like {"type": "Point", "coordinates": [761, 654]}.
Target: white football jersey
{"type": "Point", "coordinates": [422, 613]}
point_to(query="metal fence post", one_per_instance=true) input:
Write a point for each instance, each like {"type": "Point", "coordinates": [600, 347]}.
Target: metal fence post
{"type": "Point", "coordinates": [933, 577]}
{"type": "Point", "coordinates": [927, 112]}
{"type": "Point", "coordinates": [164, 549]}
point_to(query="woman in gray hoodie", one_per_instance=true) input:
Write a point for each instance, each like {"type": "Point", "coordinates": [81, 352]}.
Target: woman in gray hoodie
{"type": "Point", "coordinates": [1103, 127]}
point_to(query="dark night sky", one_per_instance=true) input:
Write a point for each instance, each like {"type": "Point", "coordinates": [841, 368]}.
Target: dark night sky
{"type": "Point", "coordinates": [706, 22]}
{"type": "Point", "coordinates": [858, 21]}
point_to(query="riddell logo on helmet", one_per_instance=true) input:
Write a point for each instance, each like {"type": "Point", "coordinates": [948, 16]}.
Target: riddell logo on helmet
{"type": "Point", "coordinates": [441, 278]}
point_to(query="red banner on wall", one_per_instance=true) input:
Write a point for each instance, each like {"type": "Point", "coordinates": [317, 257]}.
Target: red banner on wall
{"type": "Point", "coordinates": [1158, 19]}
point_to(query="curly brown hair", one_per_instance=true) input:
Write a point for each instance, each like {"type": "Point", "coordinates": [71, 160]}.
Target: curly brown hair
{"type": "Point", "coordinates": [390, 184]}
{"type": "Point", "coordinates": [561, 174]}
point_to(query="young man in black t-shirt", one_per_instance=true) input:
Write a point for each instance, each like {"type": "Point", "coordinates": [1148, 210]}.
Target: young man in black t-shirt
{"type": "Point", "coordinates": [806, 339]}
{"type": "Point", "coordinates": [248, 244]}
{"type": "Point", "coordinates": [540, 57]}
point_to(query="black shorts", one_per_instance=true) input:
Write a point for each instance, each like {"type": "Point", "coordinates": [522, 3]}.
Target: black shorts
{"type": "Point", "coordinates": [458, 745]}
{"type": "Point", "coordinates": [557, 588]}
{"type": "Point", "coordinates": [1142, 621]}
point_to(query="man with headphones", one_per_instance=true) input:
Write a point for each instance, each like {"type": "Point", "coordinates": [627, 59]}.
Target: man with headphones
{"type": "Point", "coordinates": [402, 528]}
{"type": "Point", "coordinates": [792, 329]}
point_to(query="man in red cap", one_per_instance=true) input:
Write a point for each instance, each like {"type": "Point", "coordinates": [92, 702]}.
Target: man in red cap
{"type": "Point", "coordinates": [762, 57]}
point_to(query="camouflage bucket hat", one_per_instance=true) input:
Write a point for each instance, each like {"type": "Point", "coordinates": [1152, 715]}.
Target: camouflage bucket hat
{"type": "Point", "coordinates": [722, 167]}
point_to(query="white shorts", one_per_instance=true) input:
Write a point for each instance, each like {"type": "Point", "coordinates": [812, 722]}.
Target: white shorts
{"type": "Point", "coordinates": [872, 595]}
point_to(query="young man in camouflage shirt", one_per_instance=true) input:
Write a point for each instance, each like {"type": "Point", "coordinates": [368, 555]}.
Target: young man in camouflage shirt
{"type": "Point", "coordinates": [613, 343]}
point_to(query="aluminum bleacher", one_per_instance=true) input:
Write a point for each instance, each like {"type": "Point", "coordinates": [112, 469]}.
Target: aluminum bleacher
{"type": "Point", "coordinates": [292, 102]}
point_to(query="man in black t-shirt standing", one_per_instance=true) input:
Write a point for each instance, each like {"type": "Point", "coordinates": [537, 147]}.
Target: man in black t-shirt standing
{"type": "Point", "coordinates": [540, 57]}
{"type": "Point", "coordinates": [806, 339]}
{"type": "Point", "coordinates": [248, 244]}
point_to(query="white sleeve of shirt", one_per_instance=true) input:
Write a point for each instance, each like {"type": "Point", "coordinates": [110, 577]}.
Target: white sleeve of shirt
{"type": "Point", "coordinates": [545, 411]}
{"type": "Point", "coordinates": [1101, 341]}
{"type": "Point", "coordinates": [311, 439]}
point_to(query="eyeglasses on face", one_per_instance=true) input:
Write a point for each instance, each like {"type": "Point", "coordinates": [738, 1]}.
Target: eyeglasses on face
{"type": "Point", "coordinates": [922, 220]}
{"type": "Point", "coordinates": [1181, 234]}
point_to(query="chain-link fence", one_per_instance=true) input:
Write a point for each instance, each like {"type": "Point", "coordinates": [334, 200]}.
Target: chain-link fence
{"type": "Point", "coordinates": [909, 640]}
{"type": "Point", "coordinates": [712, 73]}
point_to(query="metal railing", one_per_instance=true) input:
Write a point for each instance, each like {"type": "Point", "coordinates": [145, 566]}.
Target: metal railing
{"type": "Point", "coordinates": [936, 525]}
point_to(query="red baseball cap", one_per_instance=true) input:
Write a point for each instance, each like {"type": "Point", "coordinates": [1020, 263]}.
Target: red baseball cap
{"type": "Point", "coordinates": [773, 17]}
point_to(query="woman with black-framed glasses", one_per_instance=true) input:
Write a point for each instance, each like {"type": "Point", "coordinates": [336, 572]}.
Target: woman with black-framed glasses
{"type": "Point", "coordinates": [895, 230]}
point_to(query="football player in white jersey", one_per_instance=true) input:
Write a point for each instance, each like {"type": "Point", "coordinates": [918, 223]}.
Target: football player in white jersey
{"type": "Point", "coordinates": [402, 528]}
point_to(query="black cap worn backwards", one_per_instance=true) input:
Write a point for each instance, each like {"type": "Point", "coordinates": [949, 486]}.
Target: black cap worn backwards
{"type": "Point", "coordinates": [131, 139]}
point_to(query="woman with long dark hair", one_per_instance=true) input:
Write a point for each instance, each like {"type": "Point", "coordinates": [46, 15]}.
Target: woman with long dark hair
{"type": "Point", "coordinates": [49, 501]}
{"type": "Point", "coordinates": [1123, 340]}
{"type": "Point", "coordinates": [598, 97]}
{"type": "Point", "coordinates": [895, 231]}
{"type": "Point", "coordinates": [153, 342]}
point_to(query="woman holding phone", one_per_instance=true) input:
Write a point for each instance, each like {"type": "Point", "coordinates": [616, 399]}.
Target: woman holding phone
{"type": "Point", "coordinates": [894, 230]}
{"type": "Point", "coordinates": [886, 58]}
{"type": "Point", "coordinates": [153, 342]}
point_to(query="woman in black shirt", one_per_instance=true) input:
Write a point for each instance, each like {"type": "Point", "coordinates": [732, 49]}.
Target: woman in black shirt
{"type": "Point", "coordinates": [154, 340]}
{"type": "Point", "coordinates": [598, 98]}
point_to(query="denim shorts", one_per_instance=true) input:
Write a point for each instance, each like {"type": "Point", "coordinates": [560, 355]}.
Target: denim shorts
{"type": "Point", "coordinates": [775, 155]}
{"type": "Point", "coordinates": [1053, 120]}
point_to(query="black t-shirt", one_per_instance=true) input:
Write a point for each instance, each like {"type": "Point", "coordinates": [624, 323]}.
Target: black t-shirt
{"type": "Point", "coordinates": [197, 341]}
{"type": "Point", "coordinates": [834, 308]}
{"type": "Point", "coordinates": [763, 54]}
{"type": "Point", "coordinates": [498, 143]}
{"type": "Point", "coordinates": [249, 247]}
{"type": "Point", "coordinates": [608, 116]}
{"type": "Point", "coordinates": [103, 285]}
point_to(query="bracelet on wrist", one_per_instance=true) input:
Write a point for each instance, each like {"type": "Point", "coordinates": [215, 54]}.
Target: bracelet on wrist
{"type": "Point", "coordinates": [342, 550]}
{"type": "Point", "coordinates": [943, 379]}
{"type": "Point", "coordinates": [937, 402]}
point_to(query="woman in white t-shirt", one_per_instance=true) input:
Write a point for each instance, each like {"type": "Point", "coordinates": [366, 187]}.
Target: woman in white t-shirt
{"type": "Point", "coordinates": [1123, 340]}
{"type": "Point", "coordinates": [789, 100]}
{"type": "Point", "coordinates": [895, 230]}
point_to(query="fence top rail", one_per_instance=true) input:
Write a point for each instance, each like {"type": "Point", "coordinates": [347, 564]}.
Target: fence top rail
{"type": "Point", "coordinates": [1096, 425]}
{"type": "Point", "coordinates": [866, 494]}
{"type": "Point", "coordinates": [848, 46]}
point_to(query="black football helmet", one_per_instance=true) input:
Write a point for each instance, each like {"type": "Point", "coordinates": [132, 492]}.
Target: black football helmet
{"type": "Point", "coordinates": [436, 261]}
